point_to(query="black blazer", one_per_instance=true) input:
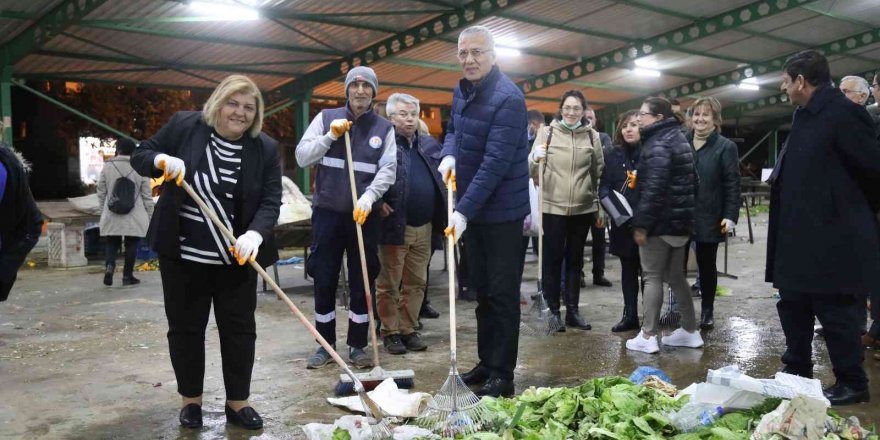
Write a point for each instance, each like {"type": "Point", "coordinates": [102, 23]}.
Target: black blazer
{"type": "Point", "coordinates": [257, 193]}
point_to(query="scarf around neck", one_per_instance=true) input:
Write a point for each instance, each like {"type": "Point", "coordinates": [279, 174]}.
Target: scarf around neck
{"type": "Point", "coordinates": [700, 136]}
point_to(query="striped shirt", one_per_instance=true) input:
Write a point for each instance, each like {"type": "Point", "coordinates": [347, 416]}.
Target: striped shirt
{"type": "Point", "coordinates": [214, 180]}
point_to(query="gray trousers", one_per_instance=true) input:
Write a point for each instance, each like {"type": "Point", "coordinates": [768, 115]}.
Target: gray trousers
{"type": "Point", "coordinates": [663, 261]}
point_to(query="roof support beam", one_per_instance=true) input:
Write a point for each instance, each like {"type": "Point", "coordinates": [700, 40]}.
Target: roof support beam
{"type": "Point", "coordinates": [808, 7]}
{"type": "Point", "coordinates": [62, 16]}
{"type": "Point", "coordinates": [836, 47]}
{"type": "Point", "coordinates": [463, 16]}
{"type": "Point", "coordinates": [666, 41]}
{"type": "Point", "coordinates": [210, 39]}
{"type": "Point", "coordinates": [781, 98]}
{"type": "Point", "coordinates": [115, 82]}
{"type": "Point", "coordinates": [157, 64]}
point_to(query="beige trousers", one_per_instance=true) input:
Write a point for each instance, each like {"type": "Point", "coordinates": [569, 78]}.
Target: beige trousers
{"type": "Point", "coordinates": [400, 287]}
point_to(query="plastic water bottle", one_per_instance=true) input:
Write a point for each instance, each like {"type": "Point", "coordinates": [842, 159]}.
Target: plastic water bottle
{"type": "Point", "coordinates": [696, 415]}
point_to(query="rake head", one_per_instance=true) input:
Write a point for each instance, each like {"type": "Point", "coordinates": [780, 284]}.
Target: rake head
{"type": "Point", "coordinates": [671, 316]}
{"type": "Point", "coordinates": [537, 320]}
{"type": "Point", "coordinates": [455, 410]}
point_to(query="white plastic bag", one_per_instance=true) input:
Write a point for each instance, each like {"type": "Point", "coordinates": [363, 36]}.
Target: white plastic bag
{"type": "Point", "coordinates": [531, 225]}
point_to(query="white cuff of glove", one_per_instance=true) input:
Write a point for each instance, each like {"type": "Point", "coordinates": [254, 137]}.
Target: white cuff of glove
{"type": "Point", "coordinates": [459, 223]}
{"type": "Point", "coordinates": [366, 201]}
{"type": "Point", "coordinates": [447, 165]}
{"type": "Point", "coordinates": [729, 224]}
{"type": "Point", "coordinates": [247, 245]}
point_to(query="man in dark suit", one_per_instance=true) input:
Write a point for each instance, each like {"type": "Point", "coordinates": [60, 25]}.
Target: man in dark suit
{"type": "Point", "coordinates": [822, 239]}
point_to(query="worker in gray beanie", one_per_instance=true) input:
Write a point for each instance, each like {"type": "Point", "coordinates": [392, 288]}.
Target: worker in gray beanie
{"type": "Point", "coordinates": [365, 74]}
{"type": "Point", "coordinates": [374, 153]}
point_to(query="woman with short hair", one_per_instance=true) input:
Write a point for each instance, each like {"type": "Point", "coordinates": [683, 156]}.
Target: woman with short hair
{"type": "Point", "coordinates": [221, 152]}
{"type": "Point", "coordinates": [716, 208]}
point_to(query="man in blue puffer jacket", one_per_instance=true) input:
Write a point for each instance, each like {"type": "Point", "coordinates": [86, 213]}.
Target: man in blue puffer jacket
{"type": "Point", "coordinates": [485, 150]}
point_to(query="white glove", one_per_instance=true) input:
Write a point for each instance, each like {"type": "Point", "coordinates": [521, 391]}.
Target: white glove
{"type": "Point", "coordinates": [727, 226]}
{"type": "Point", "coordinates": [174, 168]}
{"type": "Point", "coordinates": [539, 153]}
{"type": "Point", "coordinates": [246, 247]}
{"type": "Point", "coordinates": [338, 128]}
{"type": "Point", "coordinates": [456, 227]}
{"type": "Point", "coordinates": [447, 168]}
{"type": "Point", "coordinates": [363, 208]}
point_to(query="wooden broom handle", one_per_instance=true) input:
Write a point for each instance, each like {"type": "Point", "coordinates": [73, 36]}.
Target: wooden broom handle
{"type": "Point", "coordinates": [360, 236]}
{"type": "Point", "coordinates": [271, 282]}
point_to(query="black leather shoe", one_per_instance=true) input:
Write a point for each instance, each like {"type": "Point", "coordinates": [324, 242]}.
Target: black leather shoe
{"type": "Point", "coordinates": [476, 376]}
{"type": "Point", "coordinates": [574, 319]}
{"type": "Point", "coordinates": [626, 324]}
{"type": "Point", "coordinates": [842, 394]}
{"type": "Point", "coordinates": [707, 320]}
{"type": "Point", "coordinates": [601, 281]}
{"type": "Point", "coordinates": [191, 416]}
{"type": "Point", "coordinates": [429, 312]}
{"type": "Point", "coordinates": [108, 275]}
{"type": "Point", "coordinates": [496, 387]}
{"type": "Point", "coordinates": [246, 417]}
{"type": "Point", "coordinates": [130, 280]}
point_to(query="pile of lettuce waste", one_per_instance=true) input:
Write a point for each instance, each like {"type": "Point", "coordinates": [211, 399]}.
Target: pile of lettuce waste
{"type": "Point", "coordinates": [609, 408]}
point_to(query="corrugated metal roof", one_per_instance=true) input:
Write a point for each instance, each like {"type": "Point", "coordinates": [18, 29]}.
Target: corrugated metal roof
{"type": "Point", "coordinates": [275, 51]}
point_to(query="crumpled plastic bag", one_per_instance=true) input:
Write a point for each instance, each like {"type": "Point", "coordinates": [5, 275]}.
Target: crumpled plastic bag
{"type": "Point", "coordinates": [847, 429]}
{"type": "Point", "coordinates": [294, 205]}
{"type": "Point", "coordinates": [785, 386]}
{"type": "Point", "coordinates": [801, 418]}
{"type": "Point", "coordinates": [395, 402]}
{"type": "Point", "coordinates": [358, 427]}
{"type": "Point", "coordinates": [641, 373]}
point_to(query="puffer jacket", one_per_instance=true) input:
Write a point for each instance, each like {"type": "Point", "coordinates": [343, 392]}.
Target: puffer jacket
{"type": "Point", "coordinates": [573, 165]}
{"type": "Point", "coordinates": [718, 194]}
{"type": "Point", "coordinates": [488, 136]}
{"type": "Point", "coordinates": [667, 181]}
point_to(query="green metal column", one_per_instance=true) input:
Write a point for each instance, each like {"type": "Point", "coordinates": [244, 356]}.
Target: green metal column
{"type": "Point", "coordinates": [772, 148]}
{"type": "Point", "coordinates": [301, 122]}
{"type": "Point", "coordinates": [6, 103]}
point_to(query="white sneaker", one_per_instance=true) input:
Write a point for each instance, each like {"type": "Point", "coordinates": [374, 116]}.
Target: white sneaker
{"type": "Point", "coordinates": [682, 338]}
{"type": "Point", "coordinates": [645, 345]}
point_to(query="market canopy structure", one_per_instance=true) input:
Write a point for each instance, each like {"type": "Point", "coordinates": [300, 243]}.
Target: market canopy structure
{"type": "Point", "coordinates": [617, 52]}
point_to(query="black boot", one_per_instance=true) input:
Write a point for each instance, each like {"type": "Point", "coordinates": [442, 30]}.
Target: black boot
{"type": "Point", "coordinates": [707, 318]}
{"type": "Point", "coordinates": [707, 306]}
{"type": "Point", "coordinates": [108, 274]}
{"type": "Point", "coordinates": [574, 319]}
{"type": "Point", "coordinates": [629, 321]}
{"type": "Point", "coordinates": [129, 280]}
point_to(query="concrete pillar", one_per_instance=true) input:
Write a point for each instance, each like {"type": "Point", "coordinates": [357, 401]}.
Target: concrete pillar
{"type": "Point", "coordinates": [301, 122]}
{"type": "Point", "coordinates": [6, 103]}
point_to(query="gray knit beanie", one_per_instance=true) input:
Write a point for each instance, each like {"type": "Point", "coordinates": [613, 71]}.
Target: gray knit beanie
{"type": "Point", "coordinates": [362, 73]}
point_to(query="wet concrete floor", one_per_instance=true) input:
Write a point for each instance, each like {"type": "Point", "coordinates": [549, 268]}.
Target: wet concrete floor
{"type": "Point", "coordinates": [82, 361]}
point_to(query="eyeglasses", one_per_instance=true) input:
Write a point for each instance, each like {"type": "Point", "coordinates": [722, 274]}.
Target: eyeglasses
{"type": "Point", "coordinates": [875, 86]}
{"type": "Point", "coordinates": [570, 109]}
{"type": "Point", "coordinates": [414, 115]}
{"type": "Point", "coordinates": [475, 53]}
{"type": "Point", "coordinates": [848, 91]}
{"type": "Point", "coordinates": [647, 114]}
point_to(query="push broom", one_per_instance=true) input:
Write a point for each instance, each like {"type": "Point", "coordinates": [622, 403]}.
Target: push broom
{"type": "Point", "coordinates": [381, 429]}
{"type": "Point", "coordinates": [455, 410]}
{"type": "Point", "coordinates": [372, 379]}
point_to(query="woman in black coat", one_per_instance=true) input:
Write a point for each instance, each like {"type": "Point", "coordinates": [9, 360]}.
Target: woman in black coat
{"type": "Point", "coordinates": [663, 223]}
{"type": "Point", "coordinates": [716, 209]}
{"type": "Point", "coordinates": [621, 162]}
{"type": "Point", "coordinates": [223, 155]}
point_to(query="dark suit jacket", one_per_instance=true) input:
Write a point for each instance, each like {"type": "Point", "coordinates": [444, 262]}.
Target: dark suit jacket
{"type": "Point", "coordinates": [822, 236]}
{"type": "Point", "coordinates": [257, 194]}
